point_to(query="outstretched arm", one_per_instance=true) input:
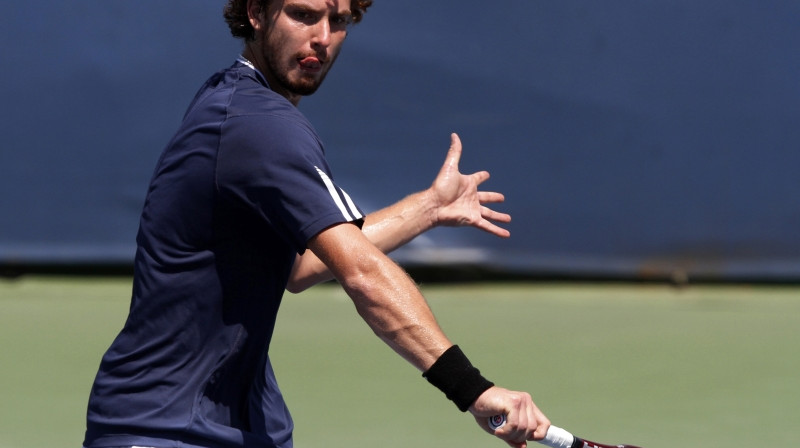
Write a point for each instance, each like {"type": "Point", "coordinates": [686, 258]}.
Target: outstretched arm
{"type": "Point", "coordinates": [452, 200]}
{"type": "Point", "coordinates": [392, 305]}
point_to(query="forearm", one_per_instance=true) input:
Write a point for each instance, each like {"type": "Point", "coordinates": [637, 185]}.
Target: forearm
{"type": "Point", "coordinates": [390, 303]}
{"type": "Point", "coordinates": [385, 297]}
{"type": "Point", "coordinates": [387, 229]}
{"type": "Point", "coordinates": [398, 224]}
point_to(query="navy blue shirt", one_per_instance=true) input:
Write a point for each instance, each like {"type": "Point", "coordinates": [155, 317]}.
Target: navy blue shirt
{"type": "Point", "coordinates": [236, 195]}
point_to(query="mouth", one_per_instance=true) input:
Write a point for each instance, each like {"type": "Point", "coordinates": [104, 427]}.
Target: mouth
{"type": "Point", "coordinates": [311, 64]}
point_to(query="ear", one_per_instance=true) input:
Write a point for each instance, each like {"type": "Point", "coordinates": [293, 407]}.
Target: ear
{"type": "Point", "coordinates": [255, 14]}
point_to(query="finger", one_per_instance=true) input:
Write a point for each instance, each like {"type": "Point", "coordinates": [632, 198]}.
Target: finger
{"type": "Point", "coordinates": [515, 429]}
{"type": "Point", "coordinates": [533, 422]}
{"type": "Point", "coordinates": [480, 177]}
{"type": "Point", "coordinates": [543, 424]}
{"type": "Point", "coordinates": [540, 432]}
{"type": "Point", "coordinates": [524, 423]}
{"type": "Point", "coordinates": [495, 230]}
{"type": "Point", "coordinates": [492, 215]}
{"type": "Point", "coordinates": [527, 417]}
{"type": "Point", "coordinates": [490, 197]}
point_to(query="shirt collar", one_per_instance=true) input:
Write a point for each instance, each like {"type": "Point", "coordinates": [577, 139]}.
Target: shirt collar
{"type": "Point", "coordinates": [244, 61]}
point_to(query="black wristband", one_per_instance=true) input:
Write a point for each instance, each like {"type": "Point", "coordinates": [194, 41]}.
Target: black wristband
{"type": "Point", "coordinates": [454, 375]}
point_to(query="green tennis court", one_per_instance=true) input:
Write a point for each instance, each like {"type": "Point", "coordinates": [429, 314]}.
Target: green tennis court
{"type": "Point", "coordinates": [650, 365]}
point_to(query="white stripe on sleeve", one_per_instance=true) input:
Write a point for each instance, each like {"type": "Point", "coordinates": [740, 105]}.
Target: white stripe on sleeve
{"type": "Point", "coordinates": [336, 199]}
{"type": "Point", "coordinates": [351, 205]}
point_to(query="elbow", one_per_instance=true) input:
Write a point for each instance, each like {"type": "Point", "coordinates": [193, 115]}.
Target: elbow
{"type": "Point", "coordinates": [295, 289]}
{"type": "Point", "coordinates": [296, 286]}
{"type": "Point", "coordinates": [306, 272]}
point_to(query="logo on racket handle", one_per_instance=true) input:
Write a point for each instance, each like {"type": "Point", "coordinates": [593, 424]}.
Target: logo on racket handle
{"type": "Point", "coordinates": [497, 421]}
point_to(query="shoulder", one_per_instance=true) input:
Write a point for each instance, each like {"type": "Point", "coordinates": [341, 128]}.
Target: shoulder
{"type": "Point", "coordinates": [258, 117]}
{"type": "Point", "coordinates": [238, 93]}
{"type": "Point", "coordinates": [250, 97]}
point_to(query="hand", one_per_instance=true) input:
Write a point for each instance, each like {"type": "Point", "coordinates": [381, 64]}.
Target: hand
{"type": "Point", "coordinates": [524, 421]}
{"type": "Point", "coordinates": [458, 201]}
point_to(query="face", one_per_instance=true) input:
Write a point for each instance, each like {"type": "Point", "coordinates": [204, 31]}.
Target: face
{"type": "Point", "coordinates": [297, 42]}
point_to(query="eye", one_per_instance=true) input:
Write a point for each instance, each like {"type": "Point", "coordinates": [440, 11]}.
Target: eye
{"type": "Point", "coordinates": [303, 15]}
{"type": "Point", "coordinates": [342, 20]}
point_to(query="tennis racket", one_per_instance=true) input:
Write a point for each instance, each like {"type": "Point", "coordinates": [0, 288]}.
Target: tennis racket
{"type": "Point", "coordinates": [557, 437]}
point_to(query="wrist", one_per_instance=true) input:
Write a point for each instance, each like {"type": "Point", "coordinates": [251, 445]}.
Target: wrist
{"type": "Point", "coordinates": [429, 204]}
{"type": "Point", "coordinates": [460, 381]}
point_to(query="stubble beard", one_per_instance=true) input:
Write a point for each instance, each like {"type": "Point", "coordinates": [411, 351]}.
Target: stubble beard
{"type": "Point", "coordinates": [306, 84]}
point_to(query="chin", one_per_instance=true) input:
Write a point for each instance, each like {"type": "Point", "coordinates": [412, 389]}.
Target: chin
{"type": "Point", "coordinates": [305, 88]}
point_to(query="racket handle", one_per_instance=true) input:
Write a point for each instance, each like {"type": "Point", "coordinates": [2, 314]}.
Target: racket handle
{"type": "Point", "coordinates": [555, 438]}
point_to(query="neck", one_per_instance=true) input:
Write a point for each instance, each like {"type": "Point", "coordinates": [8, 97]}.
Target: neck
{"type": "Point", "coordinates": [259, 62]}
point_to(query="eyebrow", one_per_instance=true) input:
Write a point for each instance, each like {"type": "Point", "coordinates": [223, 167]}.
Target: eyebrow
{"type": "Point", "coordinates": [303, 5]}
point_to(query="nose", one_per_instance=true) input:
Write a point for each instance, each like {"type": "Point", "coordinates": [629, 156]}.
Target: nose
{"type": "Point", "coordinates": [322, 34]}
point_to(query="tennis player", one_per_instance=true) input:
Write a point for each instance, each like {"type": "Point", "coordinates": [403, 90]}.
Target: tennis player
{"type": "Point", "coordinates": [242, 206]}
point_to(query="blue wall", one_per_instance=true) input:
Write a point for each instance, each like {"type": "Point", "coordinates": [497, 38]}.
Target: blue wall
{"type": "Point", "coordinates": [631, 138]}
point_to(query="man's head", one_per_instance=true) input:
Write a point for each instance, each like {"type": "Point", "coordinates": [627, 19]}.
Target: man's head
{"type": "Point", "coordinates": [293, 42]}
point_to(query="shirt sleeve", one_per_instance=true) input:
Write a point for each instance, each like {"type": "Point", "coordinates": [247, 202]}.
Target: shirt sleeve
{"type": "Point", "coordinates": [275, 166]}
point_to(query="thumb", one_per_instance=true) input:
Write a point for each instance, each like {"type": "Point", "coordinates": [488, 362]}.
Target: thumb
{"type": "Point", "coordinates": [454, 153]}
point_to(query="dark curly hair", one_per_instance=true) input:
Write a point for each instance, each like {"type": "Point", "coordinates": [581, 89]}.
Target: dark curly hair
{"type": "Point", "coordinates": [235, 13]}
